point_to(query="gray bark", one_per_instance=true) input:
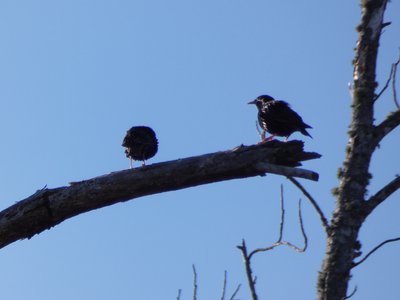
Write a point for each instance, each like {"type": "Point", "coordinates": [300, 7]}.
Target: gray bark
{"type": "Point", "coordinates": [49, 207]}
{"type": "Point", "coordinates": [351, 205]}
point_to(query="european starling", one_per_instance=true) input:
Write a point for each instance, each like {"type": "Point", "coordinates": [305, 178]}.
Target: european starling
{"type": "Point", "coordinates": [277, 118]}
{"type": "Point", "coordinates": [140, 143]}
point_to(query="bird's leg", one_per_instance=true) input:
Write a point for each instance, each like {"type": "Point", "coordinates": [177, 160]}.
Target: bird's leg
{"type": "Point", "coordinates": [270, 138]}
{"type": "Point", "coordinates": [143, 163]}
{"type": "Point", "coordinates": [130, 163]}
{"type": "Point", "coordinates": [260, 133]}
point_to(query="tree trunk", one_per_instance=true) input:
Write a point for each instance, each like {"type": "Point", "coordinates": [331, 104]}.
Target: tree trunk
{"type": "Point", "coordinates": [342, 243]}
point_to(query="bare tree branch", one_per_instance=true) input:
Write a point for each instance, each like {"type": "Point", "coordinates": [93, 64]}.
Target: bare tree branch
{"type": "Point", "coordinates": [235, 292]}
{"type": "Point", "coordinates": [393, 118]}
{"type": "Point", "coordinates": [394, 68]}
{"type": "Point", "coordinates": [375, 249]}
{"type": "Point", "coordinates": [287, 171]}
{"type": "Point", "coordinates": [392, 78]}
{"type": "Point", "coordinates": [303, 231]}
{"type": "Point", "coordinates": [352, 293]}
{"type": "Point", "coordinates": [249, 272]}
{"type": "Point", "coordinates": [386, 85]}
{"type": "Point", "coordinates": [49, 207]}
{"type": "Point", "coordinates": [281, 225]}
{"type": "Point", "coordinates": [247, 257]}
{"type": "Point", "coordinates": [179, 294]}
{"type": "Point", "coordinates": [391, 122]}
{"type": "Point", "coordinates": [194, 283]}
{"type": "Point", "coordinates": [381, 195]}
{"type": "Point", "coordinates": [224, 287]}
{"type": "Point", "coordinates": [280, 242]}
{"type": "Point", "coordinates": [314, 203]}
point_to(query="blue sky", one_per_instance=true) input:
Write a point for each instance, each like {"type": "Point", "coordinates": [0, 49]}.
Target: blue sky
{"type": "Point", "coordinates": [75, 75]}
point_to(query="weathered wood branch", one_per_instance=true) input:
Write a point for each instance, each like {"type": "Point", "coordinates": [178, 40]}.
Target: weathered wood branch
{"type": "Point", "coordinates": [381, 195]}
{"type": "Point", "coordinates": [384, 128]}
{"type": "Point", "coordinates": [49, 207]}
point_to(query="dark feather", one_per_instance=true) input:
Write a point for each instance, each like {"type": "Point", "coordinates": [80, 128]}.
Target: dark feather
{"type": "Point", "coordinates": [277, 118]}
{"type": "Point", "coordinates": [140, 143]}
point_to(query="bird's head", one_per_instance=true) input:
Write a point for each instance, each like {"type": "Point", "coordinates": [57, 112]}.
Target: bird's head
{"type": "Point", "coordinates": [261, 100]}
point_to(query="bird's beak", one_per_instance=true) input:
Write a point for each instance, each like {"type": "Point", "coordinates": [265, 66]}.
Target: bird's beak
{"type": "Point", "coordinates": [252, 102]}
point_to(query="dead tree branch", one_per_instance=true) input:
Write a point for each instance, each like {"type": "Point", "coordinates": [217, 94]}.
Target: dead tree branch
{"type": "Point", "coordinates": [249, 272]}
{"type": "Point", "coordinates": [393, 118]}
{"type": "Point", "coordinates": [391, 122]}
{"type": "Point", "coordinates": [392, 78]}
{"type": "Point", "coordinates": [49, 207]}
{"type": "Point", "coordinates": [381, 195]}
{"type": "Point", "coordinates": [394, 68]}
{"type": "Point", "coordinates": [352, 293]}
{"type": "Point", "coordinates": [179, 295]}
{"type": "Point", "coordinates": [314, 203]}
{"type": "Point", "coordinates": [194, 283]}
{"type": "Point", "coordinates": [375, 249]}
{"type": "Point", "coordinates": [235, 292]}
{"type": "Point", "coordinates": [288, 171]}
{"type": "Point", "coordinates": [224, 288]}
{"type": "Point", "coordinates": [247, 257]}
{"type": "Point", "coordinates": [280, 242]}
{"type": "Point", "coordinates": [282, 224]}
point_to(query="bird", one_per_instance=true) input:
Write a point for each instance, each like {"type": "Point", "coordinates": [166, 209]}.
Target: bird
{"type": "Point", "coordinates": [277, 118]}
{"type": "Point", "coordinates": [140, 143]}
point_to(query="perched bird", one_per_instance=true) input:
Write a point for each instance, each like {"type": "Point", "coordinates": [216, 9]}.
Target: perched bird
{"type": "Point", "coordinates": [140, 143]}
{"type": "Point", "coordinates": [277, 118]}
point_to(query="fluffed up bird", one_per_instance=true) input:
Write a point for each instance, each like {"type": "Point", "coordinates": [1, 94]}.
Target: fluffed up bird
{"type": "Point", "coordinates": [277, 118]}
{"type": "Point", "coordinates": [140, 143]}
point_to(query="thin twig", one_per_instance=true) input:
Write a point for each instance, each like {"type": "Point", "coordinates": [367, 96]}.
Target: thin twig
{"type": "Point", "coordinates": [224, 287]}
{"type": "Point", "coordinates": [280, 242]}
{"type": "Point", "coordinates": [314, 204]}
{"type": "Point", "coordinates": [375, 249]}
{"type": "Point", "coordinates": [194, 283]}
{"type": "Point", "coordinates": [352, 293]}
{"type": "Point", "coordinates": [179, 294]}
{"type": "Point", "coordinates": [386, 84]}
{"type": "Point", "coordinates": [251, 281]}
{"type": "Point", "coordinates": [394, 69]}
{"type": "Point", "coordinates": [282, 216]}
{"type": "Point", "coordinates": [391, 78]}
{"type": "Point", "coordinates": [235, 292]}
{"type": "Point", "coordinates": [303, 232]}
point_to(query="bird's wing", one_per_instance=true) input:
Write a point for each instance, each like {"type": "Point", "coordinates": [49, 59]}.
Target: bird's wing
{"type": "Point", "coordinates": [280, 111]}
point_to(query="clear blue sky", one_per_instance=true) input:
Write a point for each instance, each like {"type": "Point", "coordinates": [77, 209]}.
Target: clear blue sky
{"type": "Point", "coordinates": [75, 75]}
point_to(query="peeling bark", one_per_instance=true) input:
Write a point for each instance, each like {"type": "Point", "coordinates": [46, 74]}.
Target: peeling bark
{"type": "Point", "coordinates": [49, 207]}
